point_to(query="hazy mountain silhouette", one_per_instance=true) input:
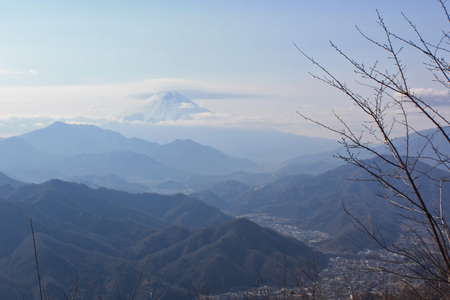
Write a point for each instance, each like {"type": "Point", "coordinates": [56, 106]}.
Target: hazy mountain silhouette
{"type": "Point", "coordinates": [223, 194]}
{"type": "Point", "coordinates": [126, 164]}
{"type": "Point", "coordinates": [8, 181]}
{"type": "Point", "coordinates": [419, 144]}
{"type": "Point", "coordinates": [16, 153]}
{"type": "Point", "coordinates": [309, 164]}
{"type": "Point", "coordinates": [204, 182]}
{"type": "Point", "coordinates": [190, 156]}
{"type": "Point", "coordinates": [424, 143]}
{"type": "Point", "coordinates": [111, 182]}
{"type": "Point", "coordinates": [66, 150]}
{"type": "Point", "coordinates": [261, 145]}
{"type": "Point", "coordinates": [73, 139]}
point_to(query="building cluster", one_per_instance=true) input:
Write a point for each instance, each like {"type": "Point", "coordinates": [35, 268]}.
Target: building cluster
{"type": "Point", "coordinates": [346, 276]}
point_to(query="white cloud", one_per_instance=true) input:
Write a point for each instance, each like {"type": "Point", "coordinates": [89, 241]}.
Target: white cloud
{"type": "Point", "coordinates": [433, 97]}
{"type": "Point", "coordinates": [17, 74]}
{"type": "Point", "coordinates": [113, 101]}
{"type": "Point", "coordinates": [232, 104]}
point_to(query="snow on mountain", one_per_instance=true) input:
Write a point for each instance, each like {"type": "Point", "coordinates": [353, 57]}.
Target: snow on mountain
{"type": "Point", "coordinates": [166, 106]}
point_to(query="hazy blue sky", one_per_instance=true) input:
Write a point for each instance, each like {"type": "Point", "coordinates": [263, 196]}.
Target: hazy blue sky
{"type": "Point", "coordinates": [84, 52]}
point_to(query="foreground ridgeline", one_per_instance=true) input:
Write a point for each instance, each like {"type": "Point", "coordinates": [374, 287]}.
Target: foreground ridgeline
{"type": "Point", "coordinates": [103, 243]}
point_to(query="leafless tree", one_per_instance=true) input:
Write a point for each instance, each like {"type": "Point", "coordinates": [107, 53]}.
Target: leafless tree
{"type": "Point", "coordinates": [390, 107]}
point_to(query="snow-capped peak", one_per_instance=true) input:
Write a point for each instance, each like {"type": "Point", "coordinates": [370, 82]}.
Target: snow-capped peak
{"type": "Point", "coordinates": [166, 106]}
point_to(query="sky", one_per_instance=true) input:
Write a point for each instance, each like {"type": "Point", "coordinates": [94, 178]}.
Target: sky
{"type": "Point", "coordinates": [88, 61]}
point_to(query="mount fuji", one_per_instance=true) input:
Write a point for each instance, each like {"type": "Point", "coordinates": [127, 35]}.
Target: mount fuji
{"type": "Point", "coordinates": [167, 106]}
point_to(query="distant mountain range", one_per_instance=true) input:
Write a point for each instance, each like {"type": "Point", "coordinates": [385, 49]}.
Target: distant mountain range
{"type": "Point", "coordinates": [64, 151]}
{"type": "Point", "coordinates": [312, 164]}
{"type": "Point", "coordinates": [317, 202]}
{"type": "Point", "coordinates": [424, 144]}
{"type": "Point", "coordinates": [265, 146]}
{"type": "Point", "coordinates": [7, 181]}
{"type": "Point", "coordinates": [91, 155]}
{"type": "Point", "coordinates": [420, 144]}
{"type": "Point", "coordinates": [111, 182]}
{"type": "Point", "coordinates": [107, 243]}
{"type": "Point", "coordinates": [72, 139]}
